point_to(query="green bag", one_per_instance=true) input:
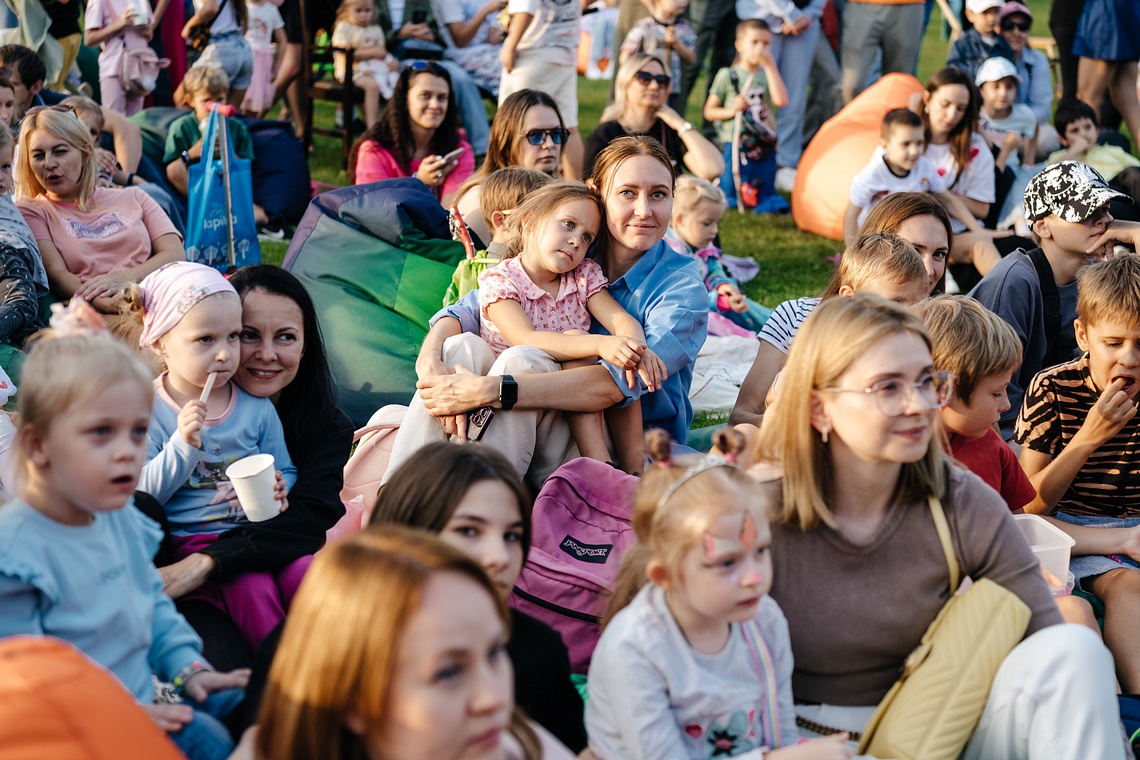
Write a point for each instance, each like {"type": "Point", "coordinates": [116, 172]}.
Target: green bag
{"type": "Point", "coordinates": [466, 277]}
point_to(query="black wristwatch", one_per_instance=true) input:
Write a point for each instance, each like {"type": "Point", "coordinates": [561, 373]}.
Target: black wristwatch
{"type": "Point", "coordinates": [186, 159]}
{"type": "Point", "coordinates": [508, 392]}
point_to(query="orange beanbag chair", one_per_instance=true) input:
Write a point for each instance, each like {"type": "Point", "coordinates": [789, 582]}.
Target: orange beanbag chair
{"type": "Point", "coordinates": [58, 704]}
{"type": "Point", "coordinates": [839, 151]}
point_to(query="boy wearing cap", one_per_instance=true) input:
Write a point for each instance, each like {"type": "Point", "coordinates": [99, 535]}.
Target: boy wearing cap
{"type": "Point", "coordinates": [1009, 126]}
{"type": "Point", "coordinates": [1080, 441]}
{"type": "Point", "coordinates": [981, 41]}
{"type": "Point", "coordinates": [1036, 292]}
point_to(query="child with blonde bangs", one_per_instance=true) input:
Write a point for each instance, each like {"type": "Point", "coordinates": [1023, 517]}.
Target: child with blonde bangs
{"type": "Point", "coordinates": [203, 422]}
{"type": "Point", "coordinates": [697, 662]}
{"type": "Point", "coordinates": [544, 295]}
{"type": "Point", "coordinates": [698, 206]}
{"type": "Point", "coordinates": [75, 554]}
{"type": "Point", "coordinates": [374, 69]}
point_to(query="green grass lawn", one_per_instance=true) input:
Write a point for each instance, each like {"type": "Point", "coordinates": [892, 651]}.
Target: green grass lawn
{"type": "Point", "coordinates": [792, 263]}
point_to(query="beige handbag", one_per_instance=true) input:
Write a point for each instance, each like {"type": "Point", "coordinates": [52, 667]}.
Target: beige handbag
{"type": "Point", "coordinates": [934, 707]}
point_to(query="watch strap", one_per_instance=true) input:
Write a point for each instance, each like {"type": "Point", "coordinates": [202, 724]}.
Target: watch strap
{"type": "Point", "coordinates": [508, 392]}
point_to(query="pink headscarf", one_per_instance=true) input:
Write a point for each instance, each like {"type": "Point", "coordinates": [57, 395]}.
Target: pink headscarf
{"type": "Point", "coordinates": [173, 290]}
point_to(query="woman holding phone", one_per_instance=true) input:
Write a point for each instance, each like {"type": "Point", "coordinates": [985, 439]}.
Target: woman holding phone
{"type": "Point", "coordinates": [418, 135]}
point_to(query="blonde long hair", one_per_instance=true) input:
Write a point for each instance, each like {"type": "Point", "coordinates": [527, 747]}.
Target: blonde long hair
{"type": "Point", "coordinates": [66, 126]}
{"type": "Point", "coordinates": [837, 333]}
{"type": "Point", "coordinates": [625, 73]}
{"type": "Point", "coordinates": [341, 642]}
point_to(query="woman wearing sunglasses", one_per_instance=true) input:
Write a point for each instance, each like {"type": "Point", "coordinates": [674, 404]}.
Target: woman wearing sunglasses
{"type": "Point", "coordinates": [527, 131]}
{"type": "Point", "coordinates": [855, 541]}
{"type": "Point", "coordinates": [1036, 87]}
{"type": "Point", "coordinates": [94, 241]}
{"type": "Point", "coordinates": [640, 107]}
{"type": "Point", "coordinates": [418, 135]}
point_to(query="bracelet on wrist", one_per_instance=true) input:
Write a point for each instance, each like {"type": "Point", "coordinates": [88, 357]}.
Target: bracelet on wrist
{"type": "Point", "coordinates": [189, 672]}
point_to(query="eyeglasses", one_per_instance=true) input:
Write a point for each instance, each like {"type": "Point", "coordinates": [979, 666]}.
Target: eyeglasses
{"type": "Point", "coordinates": [1009, 25]}
{"type": "Point", "coordinates": [646, 79]}
{"type": "Point", "coordinates": [62, 108]}
{"type": "Point", "coordinates": [894, 396]}
{"type": "Point", "coordinates": [537, 137]}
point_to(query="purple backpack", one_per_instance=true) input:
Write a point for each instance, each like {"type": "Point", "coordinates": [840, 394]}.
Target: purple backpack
{"type": "Point", "coordinates": [580, 528]}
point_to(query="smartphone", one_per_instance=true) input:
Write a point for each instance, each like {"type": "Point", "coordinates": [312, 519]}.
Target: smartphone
{"type": "Point", "coordinates": [477, 422]}
{"type": "Point", "coordinates": [453, 156]}
{"type": "Point", "coordinates": [418, 17]}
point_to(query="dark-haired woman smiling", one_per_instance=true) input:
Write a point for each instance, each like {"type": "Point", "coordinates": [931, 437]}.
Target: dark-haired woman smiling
{"type": "Point", "coordinates": [282, 359]}
{"type": "Point", "coordinates": [416, 136]}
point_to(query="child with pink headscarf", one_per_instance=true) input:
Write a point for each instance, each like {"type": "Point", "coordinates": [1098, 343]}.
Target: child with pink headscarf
{"type": "Point", "coordinates": [201, 424]}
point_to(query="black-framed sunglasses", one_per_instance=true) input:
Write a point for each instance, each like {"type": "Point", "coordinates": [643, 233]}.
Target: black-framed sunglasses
{"type": "Point", "coordinates": [1008, 25]}
{"type": "Point", "coordinates": [645, 78]}
{"type": "Point", "coordinates": [537, 137]}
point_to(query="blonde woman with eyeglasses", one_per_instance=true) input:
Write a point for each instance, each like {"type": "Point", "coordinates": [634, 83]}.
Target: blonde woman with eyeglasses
{"type": "Point", "coordinates": [858, 565]}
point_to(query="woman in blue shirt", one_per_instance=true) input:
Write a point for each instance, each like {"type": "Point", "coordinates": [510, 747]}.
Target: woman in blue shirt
{"type": "Point", "coordinates": [528, 390]}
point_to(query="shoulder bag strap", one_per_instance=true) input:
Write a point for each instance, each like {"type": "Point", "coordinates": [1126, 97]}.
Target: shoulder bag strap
{"type": "Point", "coordinates": [943, 529]}
{"type": "Point", "coordinates": [763, 658]}
{"type": "Point", "coordinates": [1052, 300]}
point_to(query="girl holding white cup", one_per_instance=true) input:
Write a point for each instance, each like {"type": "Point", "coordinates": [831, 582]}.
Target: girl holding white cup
{"type": "Point", "coordinates": [202, 423]}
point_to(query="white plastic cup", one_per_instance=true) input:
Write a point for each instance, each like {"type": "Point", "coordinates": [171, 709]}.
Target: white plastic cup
{"type": "Point", "coordinates": [253, 479]}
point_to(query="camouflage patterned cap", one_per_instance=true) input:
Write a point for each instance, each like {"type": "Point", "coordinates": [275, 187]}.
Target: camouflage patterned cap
{"type": "Point", "coordinates": [1071, 190]}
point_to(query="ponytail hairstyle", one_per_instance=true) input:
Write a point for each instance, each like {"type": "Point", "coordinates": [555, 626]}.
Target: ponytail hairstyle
{"type": "Point", "coordinates": [676, 501]}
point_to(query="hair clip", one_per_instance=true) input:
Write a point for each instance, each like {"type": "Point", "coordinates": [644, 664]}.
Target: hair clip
{"type": "Point", "coordinates": [730, 458]}
{"type": "Point", "coordinates": [664, 463]}
{"type": "Point", "coordinates": [705, 463]}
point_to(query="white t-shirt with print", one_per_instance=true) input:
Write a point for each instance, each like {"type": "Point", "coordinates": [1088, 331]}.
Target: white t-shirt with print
{"type": "Point", "coordinates": [977, 178]}
{"type": "Point", "coordinates": [876, 181]}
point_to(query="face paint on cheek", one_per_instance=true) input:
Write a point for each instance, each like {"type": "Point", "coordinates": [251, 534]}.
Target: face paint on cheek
{"type": "Point", "coordinates": [710, 547]}
{"type": "Point", "coordinates": [747, 530]}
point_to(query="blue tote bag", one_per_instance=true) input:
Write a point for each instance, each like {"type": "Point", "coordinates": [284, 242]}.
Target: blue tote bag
{"type": "Point", "coordinates": [207, 234]}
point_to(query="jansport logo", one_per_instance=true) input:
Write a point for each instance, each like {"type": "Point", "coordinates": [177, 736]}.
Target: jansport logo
{"type": "Point", "coordinates": [596, 553]}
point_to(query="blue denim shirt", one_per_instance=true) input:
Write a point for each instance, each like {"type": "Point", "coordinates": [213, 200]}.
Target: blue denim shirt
{"type": "Point", "coordinates": [664, 292]}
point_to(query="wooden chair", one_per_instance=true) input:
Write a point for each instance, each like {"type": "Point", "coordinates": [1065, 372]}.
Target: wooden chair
{"type": "Point", "coordinates": [320, 84]}
{"type": "Point", "coordinates": [1048, 46]}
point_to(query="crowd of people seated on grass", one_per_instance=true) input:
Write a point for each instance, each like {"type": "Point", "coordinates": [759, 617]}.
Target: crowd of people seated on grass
{"type": "Point", "coordinates": [175, 464]}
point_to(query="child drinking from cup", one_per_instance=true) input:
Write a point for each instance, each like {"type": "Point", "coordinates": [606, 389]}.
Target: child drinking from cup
{"type": "Point", "coordinates": [75, 555]}
{"type": "Point", "coordinates": [202, 423]}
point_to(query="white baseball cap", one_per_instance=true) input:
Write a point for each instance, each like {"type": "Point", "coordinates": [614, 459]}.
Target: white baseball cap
{"type": "Point", "coordinates": [994, 69]}
{"type": "Point", "coordinates": [981, 6]}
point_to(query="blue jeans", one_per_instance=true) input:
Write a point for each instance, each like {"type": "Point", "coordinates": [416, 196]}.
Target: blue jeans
{"type": "Point", "coordinates": [204, 737]}
{"type": "Point", "coordinates": [471, 107]}
{"type": "Point", "coordinates": [793, 56]}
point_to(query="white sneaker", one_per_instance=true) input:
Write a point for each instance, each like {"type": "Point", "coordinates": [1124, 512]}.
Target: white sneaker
{"type": "Point", "coordinates": [785, 179]}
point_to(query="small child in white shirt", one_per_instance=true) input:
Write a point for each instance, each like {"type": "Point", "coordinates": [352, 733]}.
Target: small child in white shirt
{"type": "Point", "coordinates": [898, 165]}
{"type": "Point", "coordinates": [1011, 129]}
{"type": "Point", "coordinates": [374, 69]}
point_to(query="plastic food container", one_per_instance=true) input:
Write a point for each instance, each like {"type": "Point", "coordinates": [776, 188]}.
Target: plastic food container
{"type": "Point", "coordinates": [1051, 544]}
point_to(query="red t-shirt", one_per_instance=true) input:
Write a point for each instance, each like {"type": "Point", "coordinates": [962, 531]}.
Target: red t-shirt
{"type": "Point", "coordinates": [992, 460]}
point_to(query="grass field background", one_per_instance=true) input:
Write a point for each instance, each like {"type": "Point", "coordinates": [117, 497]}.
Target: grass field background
{"type": "Point", "coordinates": [792, 263]}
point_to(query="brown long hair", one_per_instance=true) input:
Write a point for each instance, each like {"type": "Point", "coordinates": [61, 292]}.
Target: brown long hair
{"type": "Point", "coordinates": [963, 132]}
{"type": "Point", "coordinates": [506, 131]}
{"type": "Point", "coordinates": [341, 642]}
{"type": "Point", "coordinates": [410, 499]}
{"type": "Point", "coordinates": [889, 214]}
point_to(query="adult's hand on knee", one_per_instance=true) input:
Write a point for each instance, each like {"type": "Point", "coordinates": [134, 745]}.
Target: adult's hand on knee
{"type": "Point", "coordinates": [457, 393]}
{"type": "Point", "coordinates": [187, 574]}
